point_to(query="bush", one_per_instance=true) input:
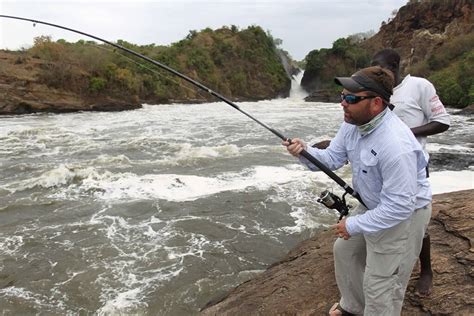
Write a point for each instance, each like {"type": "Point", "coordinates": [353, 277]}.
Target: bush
{"type": "Point", "coordinates": [97, 84]}
{"type": "Point", "coordinates": [448, 88]}
{"type": "Point", "coordinates": [471, 95]}
{"type": "Point", "coordinates": [455, 82]}
{"type": "Point", "coordinates": [420, 69]}
{"type": "Point", "coordinates": [48, 50]}
{"type": "Point", "coordinates": [451, 69]}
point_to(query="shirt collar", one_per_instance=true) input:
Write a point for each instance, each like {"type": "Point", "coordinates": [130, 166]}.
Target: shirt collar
{"type": "Point", "coordinates": [407, 77]}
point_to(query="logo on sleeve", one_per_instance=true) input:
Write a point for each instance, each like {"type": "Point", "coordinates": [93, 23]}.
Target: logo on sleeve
{"type": "Point", "coordinates": [434, 98]}
{"type": "Point", "coordinates": [438, 109]}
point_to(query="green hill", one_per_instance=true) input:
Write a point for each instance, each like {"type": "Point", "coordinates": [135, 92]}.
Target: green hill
{"type": "Point", "coordinates": [61, 76]}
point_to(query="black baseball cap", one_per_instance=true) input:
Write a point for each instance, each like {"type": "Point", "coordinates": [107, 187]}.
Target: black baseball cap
{"type": "Point", "coordinates": [375, 79]}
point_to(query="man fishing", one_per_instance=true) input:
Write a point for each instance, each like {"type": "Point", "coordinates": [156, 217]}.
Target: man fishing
{"type": "Point", "coordinates": [388, 171]}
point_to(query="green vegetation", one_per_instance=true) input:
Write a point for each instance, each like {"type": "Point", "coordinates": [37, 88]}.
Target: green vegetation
{"type": "Point", "coordinates": [452, 71]}
{"type": "Point", "coordinates": [450, 67]}
{"type": "Point", "coordinates": [343, 58]}
{"type": "Point", "coordinates": [236, 63]}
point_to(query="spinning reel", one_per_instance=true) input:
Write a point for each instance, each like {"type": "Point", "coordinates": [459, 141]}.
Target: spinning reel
{"type": "Point", "coordinates": [332, 201]}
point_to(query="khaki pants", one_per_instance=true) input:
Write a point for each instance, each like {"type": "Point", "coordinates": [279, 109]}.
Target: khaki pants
{"type": "Point", "coordinates": [372, 270]}
{"type": "Point", "coordinates": [420, 220]}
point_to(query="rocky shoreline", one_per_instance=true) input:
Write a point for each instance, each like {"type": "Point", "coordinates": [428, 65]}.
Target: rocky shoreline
{"type": "Point", "coordinates": [303, 282]}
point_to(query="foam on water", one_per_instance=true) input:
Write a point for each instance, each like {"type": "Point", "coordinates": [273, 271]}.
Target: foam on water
{"type": "Point", "coordinates": [186, 152]}
{"type": "Point", "coordinates": [33, 299]}
{"type": "Point", "coordinates": [109, 159]}
{"type": "Point", "coordinates": [111, 186]}
{"type": "Point", "coordinates": [175, 187]}
{"type": "Point", "coordinates": [142, 244]}
{"type": "Point", "coordinates": [435, 147]}
{"type": "Point", "coordinates": [10, 245]}
{"type": "Point", "coordinates": [449, 181]}
{"type": "Point", "coordinates": [123, 302]}
{"type": "Point", "coordinates": [61, 176]}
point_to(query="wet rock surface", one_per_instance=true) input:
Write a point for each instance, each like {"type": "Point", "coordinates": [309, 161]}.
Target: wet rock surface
{"type": "Point", "coordinates": [303, 282]}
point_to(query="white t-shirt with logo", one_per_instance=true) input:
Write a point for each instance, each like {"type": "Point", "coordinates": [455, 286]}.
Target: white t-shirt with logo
{"type": "Point", "coordinates": [416, 104]}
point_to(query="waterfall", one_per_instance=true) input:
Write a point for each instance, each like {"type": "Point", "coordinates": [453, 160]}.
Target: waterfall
{"type": "Point", "coordinates": [297, 92]}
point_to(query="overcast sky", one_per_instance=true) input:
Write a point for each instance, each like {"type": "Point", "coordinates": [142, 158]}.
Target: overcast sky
{"type": "Point", "coordinates": [302, 25]}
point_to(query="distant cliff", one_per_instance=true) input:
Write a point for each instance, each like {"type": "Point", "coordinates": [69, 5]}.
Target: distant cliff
{"type": "Point", "coordinates": [57, 76]}
{"type": "Point", "coordinates": [435, 39]}
{"type": "Point", "coordinates": [421, 28]}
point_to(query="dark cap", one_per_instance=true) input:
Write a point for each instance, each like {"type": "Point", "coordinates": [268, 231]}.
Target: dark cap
{"type": "Point", "coordinates": [375, 79]}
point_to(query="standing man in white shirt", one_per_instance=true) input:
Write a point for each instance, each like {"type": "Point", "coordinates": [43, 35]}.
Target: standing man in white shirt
{"type": "Point", "coordinates": [417, 104]}
{"type": "Point", "coordinates": [375, 251]}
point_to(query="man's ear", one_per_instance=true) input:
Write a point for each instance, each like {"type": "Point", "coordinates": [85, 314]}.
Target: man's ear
{"type": "Point", "coordinates": [380, 102]}
{"type": "Point", "coordinates": [378, 105]}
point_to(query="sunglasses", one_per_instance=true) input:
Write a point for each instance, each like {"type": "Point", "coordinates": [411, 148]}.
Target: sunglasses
{"type": "Point", "coordinates": [353, 99]}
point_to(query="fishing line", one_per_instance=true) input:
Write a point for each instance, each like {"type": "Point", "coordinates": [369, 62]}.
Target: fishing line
{"type": "Point", "coordinates": [304, 153]}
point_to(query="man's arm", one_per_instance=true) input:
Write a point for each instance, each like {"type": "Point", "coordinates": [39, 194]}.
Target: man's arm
{"type": "Point", "coordinates": [433, 110]}
{"type": "Point", "coordinates": [431, 128]}
{"type": "Point", "coordinates": [334, 157]}
{"type": "Point", "coordinates": [397, 198]}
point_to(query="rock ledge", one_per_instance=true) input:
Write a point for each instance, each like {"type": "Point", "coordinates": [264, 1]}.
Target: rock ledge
{"type": "Point", "coordinates": [303, 282]}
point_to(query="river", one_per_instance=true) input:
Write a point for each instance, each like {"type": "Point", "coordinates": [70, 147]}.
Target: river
{"type": "Point", "coordinates": [159, 210]}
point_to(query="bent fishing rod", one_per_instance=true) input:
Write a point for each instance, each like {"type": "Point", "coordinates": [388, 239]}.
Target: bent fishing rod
{"type": "Point", "coordinates": [325, 197]}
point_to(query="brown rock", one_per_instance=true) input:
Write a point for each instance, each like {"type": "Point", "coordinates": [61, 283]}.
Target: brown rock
{"type": "Point", "coordinates": [468, 110]}
{"type": "Point", "coordinates": [303, 282]}
{"type": "Point", "coordinates": [322, 95]}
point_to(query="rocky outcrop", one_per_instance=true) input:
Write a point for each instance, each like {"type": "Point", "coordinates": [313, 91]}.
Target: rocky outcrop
{"type": "Point", "coordinates": [23, 93]}
{"type": "Point", "coordinates": [303, 282]}
{"type": "Point", "coordinates": [323, 96]}
{"type": "Point", "coordinates": [421, 26]}
{"type": "Point", "coordinates": [469, 110]}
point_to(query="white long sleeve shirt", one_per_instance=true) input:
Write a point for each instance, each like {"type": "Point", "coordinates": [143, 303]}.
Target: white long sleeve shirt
{"type": "Point", "coordinates": [388, 171]}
